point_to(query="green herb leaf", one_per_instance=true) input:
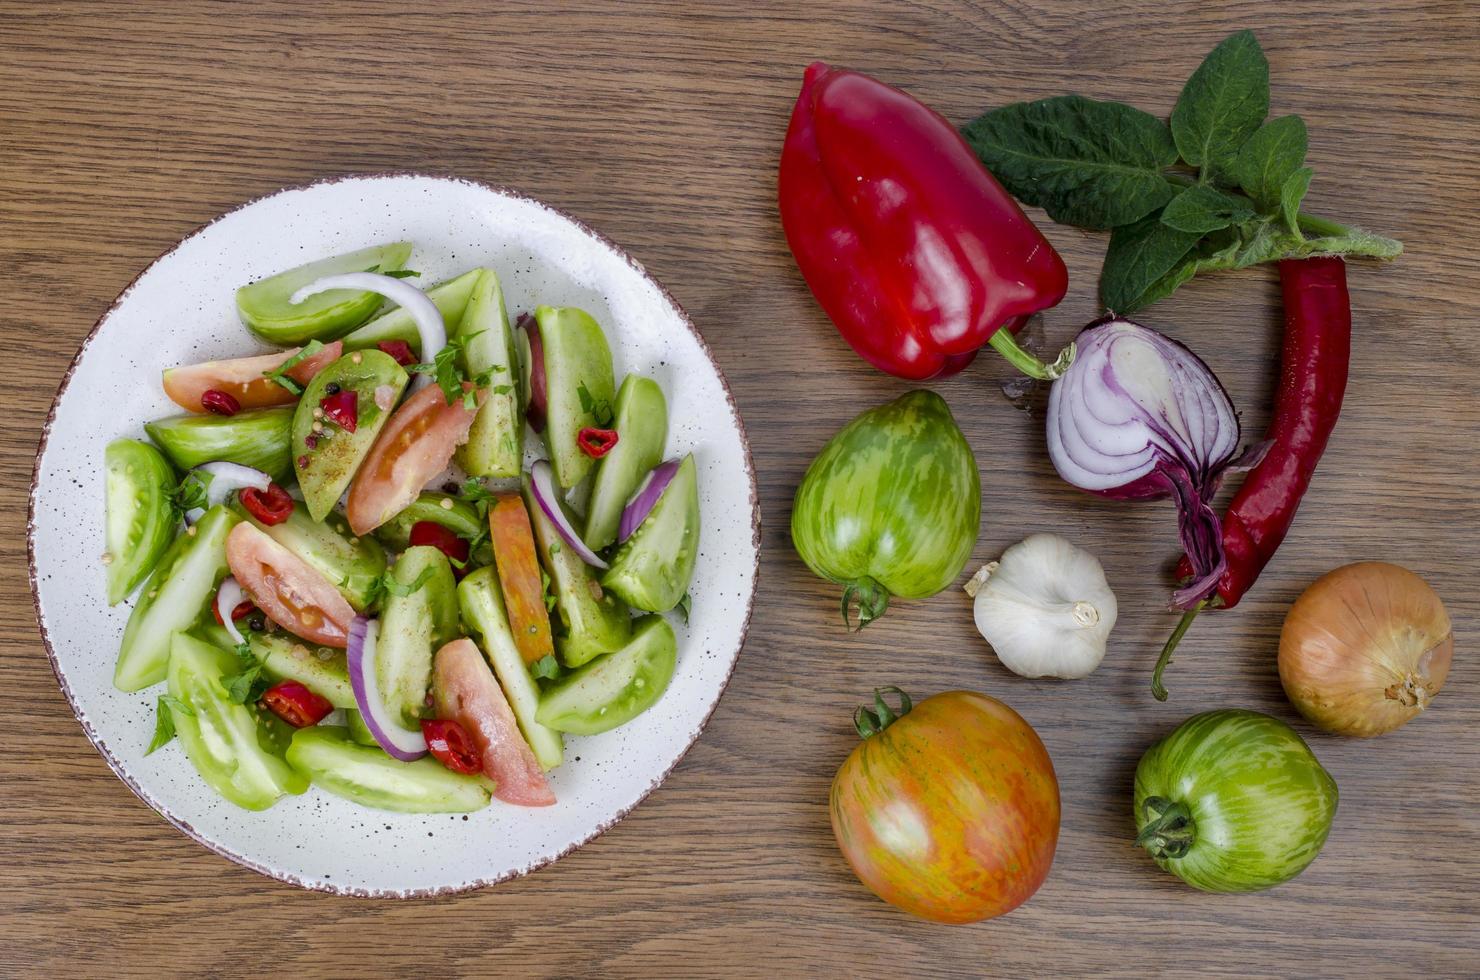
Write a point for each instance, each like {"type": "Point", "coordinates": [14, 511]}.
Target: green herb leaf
{"type": "Point", "coordinates": [279, 374]}
{"type": "Point", "coordinates": [164, 720]}
{"type": "Point", "coordinates": [245, 687]}
{"type": "Point", "coordinates": [191, 493]}
{"type": "Point", "coordinates": [395, 588]}
{"type": "Point", "coordinates": [1269, 158]}
{"type": "Point", "coordinates": [244, 653]}
{"type": "Point", "coordinates": [684, 605]}
{"type": "Point", "coordinates": [1222, 105]}
{"type": "Point", "coordinates": [1292, 192]}
{"type": "Point", "coordinates": [599, 408]}
{"type": "Point", "coordinates": [1138, 256]}
{"type": "Point", "coordinates": [1201, 209]}
{"type": "Point", "coordinates": [545, 668]}
{"type": "Point", "coordinates": [545, 590]}
{"type": "Point", "coordinates": [404, 274]}
{"type": "Point", "coordinates": [1087, 163]}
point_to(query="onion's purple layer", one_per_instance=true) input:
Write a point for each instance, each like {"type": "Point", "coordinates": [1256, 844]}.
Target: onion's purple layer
{"type": "Point", "coordinates": [648, 493]}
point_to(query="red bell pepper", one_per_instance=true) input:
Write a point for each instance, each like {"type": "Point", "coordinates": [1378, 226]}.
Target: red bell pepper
{"type": "Point", "coordinates": [913, 249]}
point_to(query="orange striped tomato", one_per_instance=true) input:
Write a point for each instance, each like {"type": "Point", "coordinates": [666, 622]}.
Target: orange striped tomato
{"type": "Point", "coordinates": [949, 811]}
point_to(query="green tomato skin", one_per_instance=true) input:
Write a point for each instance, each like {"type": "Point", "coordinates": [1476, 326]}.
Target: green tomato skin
{"type": "Point", "coordinates": [323, 670]}
{"type": "Point", "coordinates": [480, 597]}
{"type": "Point", "coordinates": [612, 690]}
{"type": "Point", "coordinates": [173, 599]}
{"type": "Point", "coordinates": [334, 761]}
{"type": "Point", "coordinates": [1261, 805]}
{"type": "Point", "coordinates": [495, 445]}
{"type": "Point", "coordinates": [458, 516]}
{"type": "Point", "coordinates": [260, 438]}
{"type": "Point", "coordinates": [894, 499]}
{"type": "Point", "coordinates": [651, 570]}
{"type": "Point", "coordinates": [223, 740]}
{"type": "Point", "coordinates": [265, 306]}
{"type": "Point", "coordinates": [326, 468]}
{"type": "Point", "coordinates": [352, 564]}
{"type": "Point", "coordinates": [359, 732]}
{"type": "Point", "coordinates": [140, 522]}
{"type": "Point", "coordinates": [642, 431]}
{"type": "Point", "coordinates": [412, 629]}
{"type": "Point", "coordinates": [451, 299]}
{"type": "Point", "coordinates": [576, 356]}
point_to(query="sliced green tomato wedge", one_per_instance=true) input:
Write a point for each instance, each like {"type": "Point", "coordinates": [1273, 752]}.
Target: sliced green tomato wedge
{"type": "Point", "coordinates": [451, 298]}
{"type": "Point", "coordinates": [614, 689]}
{"type": "Point", "coordinates": [259, 438]}
{"type": "Point", "coordinates": [359, 732]}
{"type": "Point", "coordinates": [482, 605]}
{"type": "Point", "coordinates": [333, 761]}
{"type": "Point", "coordinates": [412, 628]}
{"type": "Point", "coordinates": [266, 308]}
{"type": "Point", "coordinates": [642, 430]}
{"type": "Point", "coordinates": [224, 740]}
{"type": "Point", "coordinates": [458, 516]}
{"type": "Point", "coordinates": [351, 564]}
{"type": "Point", "coordinates": [322, 670]}
{"type": "Point", "coordinates": [173, 598]}
{"type": "Point", "coordinates": [495, 445]}
{"type": "Point", "coordinates": [578, 386]}
{"type": "Point", "coordinates": [140, 522]}
{"type": "Point", "coordinates": [326, 467]}
{"type": "Point", "coordinates": [590, 621]}
{"type": "Point", "coordinates": [651, 570]}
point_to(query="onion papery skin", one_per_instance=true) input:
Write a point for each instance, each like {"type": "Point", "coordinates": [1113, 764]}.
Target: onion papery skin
{"type": "Point", "coordinates": [1365, 649]}
{"type": "Point", "coordinates": [1138, 416]}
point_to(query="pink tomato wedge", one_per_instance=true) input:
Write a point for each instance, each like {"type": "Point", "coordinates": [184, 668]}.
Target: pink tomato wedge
{"type": "Point", "coordinates": [415, 445]}
{"type": "Point", "coordinates": [283, 586]}
{"type": "Point", "coordinates": [464, 691]}
{"type": "Point", "coordinates": [244, 378]}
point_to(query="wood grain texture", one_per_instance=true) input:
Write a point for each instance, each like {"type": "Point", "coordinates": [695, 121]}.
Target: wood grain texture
{"type": "Point", "coordinates": [123, 126]}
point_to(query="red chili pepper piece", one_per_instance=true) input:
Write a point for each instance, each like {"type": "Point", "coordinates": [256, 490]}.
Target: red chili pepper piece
{"type": "Point", "coordinates": [218, 402]}
{"type": "Point", "coordinates": [243, 609]}
{"type": "Point", "coordinates": [270, 506]}
{"type": "Point", "coordinates": [439, 537]}
{"type": "Point", "coordinates": [596, 443]}
{"type": "Point", "coordinates": [342, 408]}
{"type": "Point", "coordinates": [296, 704]}
{"type": "Point", "coordinates": [398, 349]}
{"type": "Point", "coordinates": [450, 745]}
{"type": "Point", "coordinates": [913, 249]}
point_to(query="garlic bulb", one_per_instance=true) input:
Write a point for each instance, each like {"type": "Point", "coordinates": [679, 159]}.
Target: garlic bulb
{"type": "Point", "coordinates": [1045, 608]}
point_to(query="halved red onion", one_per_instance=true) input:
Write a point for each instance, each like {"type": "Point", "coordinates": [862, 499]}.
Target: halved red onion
{"type": "Point", "coordinates": [228, 597]}
{"type": "Point", "coordinates": [429, 322]}
{"type": "Point", "coordinates": [645, 498]}
{"type": "Point", "coordinates": [1139, 416]}
{"type": "Point", "coordinates": [542, 482]}
{"type": "Point", "coordinates": [399, 743]}
{"type": "Point", "coordinates": [538, 400]}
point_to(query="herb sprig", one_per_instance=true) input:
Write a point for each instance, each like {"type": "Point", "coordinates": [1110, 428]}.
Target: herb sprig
{"type": "Point", "coordinates": [448, 368]}
{"type": "Point", "coordinates": [279, 374]}
{"type": "Point", "coordinates": [1216, 187]}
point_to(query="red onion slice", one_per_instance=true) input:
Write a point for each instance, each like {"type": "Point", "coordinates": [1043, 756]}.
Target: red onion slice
{"type": "Point", "coordinates": [645, 498]}
{"type": "Point", "coordinates": [228, 597]}
{"type": "Point", "coordinates": [1139, 416]}
{"type": "Point", "coordinates": [542, 482]}
{"type": "Point", "coordinates": [429, 322]}
{"type": "Point", "coordinates": [398, 742]}
{"type": "Point", "coordinates": [538, 400]}
{"type": "Point", "coordinates": [222, 478]}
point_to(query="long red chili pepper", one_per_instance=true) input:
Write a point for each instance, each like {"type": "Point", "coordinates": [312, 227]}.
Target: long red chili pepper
{"type": "Point", "coordinates": [1313, 370]}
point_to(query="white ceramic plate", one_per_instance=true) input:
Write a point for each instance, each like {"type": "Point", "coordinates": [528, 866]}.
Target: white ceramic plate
{"type": "Point", "coordinates": [181, 310]}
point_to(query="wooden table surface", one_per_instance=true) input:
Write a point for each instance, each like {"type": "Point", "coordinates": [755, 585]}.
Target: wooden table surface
{"type": "Point", "coordinates": [124, 126]}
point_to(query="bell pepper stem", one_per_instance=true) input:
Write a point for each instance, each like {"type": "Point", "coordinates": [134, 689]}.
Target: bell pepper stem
{"type": "Point", "coordinates": [1158, 690]}
{"type": "Point", "coordinates": [1171, 832]}
{"type": "Point", "coordinates": [1004, 343]}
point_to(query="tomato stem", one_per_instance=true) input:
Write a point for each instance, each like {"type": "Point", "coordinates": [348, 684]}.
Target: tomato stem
{"type": "Point", "coordinates": [1171, 832]}
{"type": "Point", "coordinates": [872, 599]}
{"type": "Point", "coordinates": [871, 721]}
{"type": "Point", "coordinates": [1158, 690]}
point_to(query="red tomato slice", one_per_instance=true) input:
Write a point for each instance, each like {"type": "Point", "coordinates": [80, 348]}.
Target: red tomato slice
{"type": "Point", "coordinates": [415, 445]}
{"type": "Point", "coordinates": [464, 690]}
{"type": "Point", "coordinates": [283, 586]}
{"type": "Point", "coordinates": [519, 577]}
{"type": "Point", "coordinates": [242, 378]}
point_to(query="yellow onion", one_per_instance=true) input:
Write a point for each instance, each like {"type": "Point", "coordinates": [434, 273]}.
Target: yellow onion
{"type": "Point", "coordinates": [1365, 649]}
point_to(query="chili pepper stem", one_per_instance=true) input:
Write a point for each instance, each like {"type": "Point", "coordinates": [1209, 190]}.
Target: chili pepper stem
{"type": "Point", "coordinates": [1004, 343]}
{"type": "Point", "coordinates": [1158, 690]}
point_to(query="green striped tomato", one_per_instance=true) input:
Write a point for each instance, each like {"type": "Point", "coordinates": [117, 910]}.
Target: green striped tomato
{"type": "Point", "coordinates": [891, 505]}
{"type": "Point", "coordinates": [1233, 801]}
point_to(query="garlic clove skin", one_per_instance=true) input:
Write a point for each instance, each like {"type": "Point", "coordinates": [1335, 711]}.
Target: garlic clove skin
{"type": "Point", "coordinates": [1045, 608]}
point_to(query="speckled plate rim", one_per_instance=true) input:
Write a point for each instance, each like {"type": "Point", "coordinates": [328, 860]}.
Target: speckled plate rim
{"type": "Point", "coordinates": [118, 768]}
